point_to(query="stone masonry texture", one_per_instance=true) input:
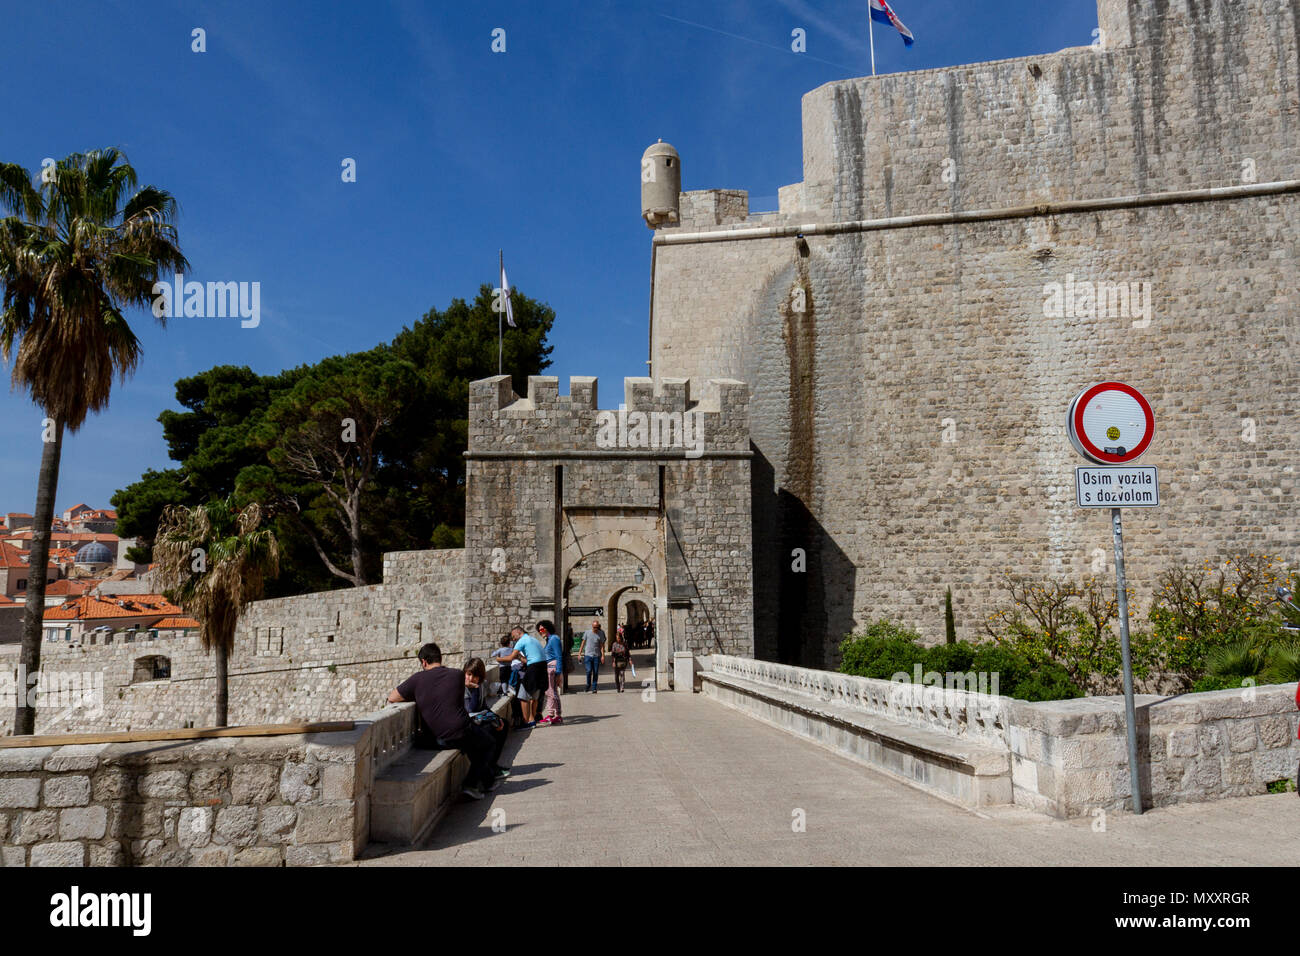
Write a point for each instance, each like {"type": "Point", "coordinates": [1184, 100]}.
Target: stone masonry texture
{"type": "Point", "coordinates": [910, 387]}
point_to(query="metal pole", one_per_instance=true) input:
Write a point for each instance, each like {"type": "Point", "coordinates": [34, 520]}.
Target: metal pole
{"type": "Point", "coordinates": [871, 32]}
{"type": "Point", "coordinates": [1121, 595]}
{"type": "Point", "coordinates": [501, 271]}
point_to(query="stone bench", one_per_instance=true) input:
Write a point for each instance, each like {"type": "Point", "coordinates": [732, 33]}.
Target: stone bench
{"type": "Point", "coordinates": [967, 771]}
{"type": "Point", "coordinates": [414, 791]}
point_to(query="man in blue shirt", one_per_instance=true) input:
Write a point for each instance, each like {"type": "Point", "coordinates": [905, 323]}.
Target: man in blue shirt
{"type": "Point", "coordinates": [529, 650]}
{"type": "Point", "coordinates": [554, 671]}
{"type": "Point", "coordinates": [593, 654]}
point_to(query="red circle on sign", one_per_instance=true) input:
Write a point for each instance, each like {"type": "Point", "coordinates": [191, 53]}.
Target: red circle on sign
{"type": "Point", "coordinates": [1096, 453]}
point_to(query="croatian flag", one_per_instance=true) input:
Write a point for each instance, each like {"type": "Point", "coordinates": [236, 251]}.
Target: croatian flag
{"type": "Point", "coordinates": [505, 294]}
{"type": "Point", "coordinates": [881, 12]}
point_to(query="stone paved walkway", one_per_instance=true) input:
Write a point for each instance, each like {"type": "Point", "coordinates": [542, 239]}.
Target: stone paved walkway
{"type": "Point", "coordinates": [682, 780]}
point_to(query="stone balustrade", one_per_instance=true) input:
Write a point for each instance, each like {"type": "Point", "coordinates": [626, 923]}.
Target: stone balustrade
{"type": "Point", "coordinates": [960, 713]}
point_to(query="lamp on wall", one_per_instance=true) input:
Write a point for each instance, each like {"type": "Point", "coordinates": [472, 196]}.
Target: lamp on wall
{"type": "Point", "coordinates": [639, 576]}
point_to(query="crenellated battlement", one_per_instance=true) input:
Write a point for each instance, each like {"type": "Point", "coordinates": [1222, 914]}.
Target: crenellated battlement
{"type": "Point", "coordinates": [654, 417]}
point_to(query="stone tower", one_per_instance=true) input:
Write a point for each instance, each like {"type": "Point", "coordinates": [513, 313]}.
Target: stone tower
{"type": "Point", "coordinates": [661, 185]}
{"type": "Point", "coordinates": [911, 372]}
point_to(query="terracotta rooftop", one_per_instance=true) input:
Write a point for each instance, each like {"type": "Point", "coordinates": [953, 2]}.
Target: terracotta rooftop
{"type": "Point", "coordinates": [67, 586]}
{"type": "Point", "coordinates": [11, 557]}
{"type": "Point", "coordinates": [91, 607]}
{"type": "Point", "coordinates": [177, 622]}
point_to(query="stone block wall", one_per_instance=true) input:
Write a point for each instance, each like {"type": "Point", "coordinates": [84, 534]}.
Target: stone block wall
{"type": "Point", "coordinates": [547, 488]}
{"type": "Point", "coordinates": [319, 656]}
{"type": "Point", "coordinates": [909, 427]}
{"type": "Point", "coordinates": [295, 800]}
{"type": "Point", "coordinates": [1070, 758]}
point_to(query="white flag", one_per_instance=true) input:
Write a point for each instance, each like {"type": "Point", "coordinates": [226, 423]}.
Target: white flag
{"type": "Point", "coordinates": [505, 295]}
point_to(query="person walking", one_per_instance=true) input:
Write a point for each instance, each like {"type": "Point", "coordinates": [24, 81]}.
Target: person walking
{"type": "Point", "coordinates": [593, 654]}
{"type": "Point", "coordinates": [619, 651]}
{"type": "Point", "coordinates": [554, 671]}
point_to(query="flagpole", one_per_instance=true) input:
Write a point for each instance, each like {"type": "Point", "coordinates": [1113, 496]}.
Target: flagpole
{"type": "Point", "coordinates": [871, 32]}
{"type": "Point", "coordinates": [501, 268]}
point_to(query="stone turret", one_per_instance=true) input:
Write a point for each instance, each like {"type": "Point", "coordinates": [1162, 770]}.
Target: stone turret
{"type": "Point", "coordinates": [661, 185]}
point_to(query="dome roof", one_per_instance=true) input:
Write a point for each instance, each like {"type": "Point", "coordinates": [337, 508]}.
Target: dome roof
{"type": "Point", "coordinates": [94, 552]}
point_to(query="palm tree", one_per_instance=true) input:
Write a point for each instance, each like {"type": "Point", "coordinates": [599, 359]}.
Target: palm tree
{"type": "Point", "coordinates": [75, 252]}
{"type": "Point", "coordinates": [213, 561]}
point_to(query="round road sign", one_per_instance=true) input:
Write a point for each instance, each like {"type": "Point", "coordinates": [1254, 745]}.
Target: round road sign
{"type": "Point", "coordinates": [1111, 423]}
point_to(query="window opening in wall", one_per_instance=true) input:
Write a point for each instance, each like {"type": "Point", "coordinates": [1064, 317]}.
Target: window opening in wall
{"type": "Point", "coordinates": [329, 638]}
{"type": "Point", "coordinates": [153, 667]}
{"type": "Point", "coordinates": [397, 632]}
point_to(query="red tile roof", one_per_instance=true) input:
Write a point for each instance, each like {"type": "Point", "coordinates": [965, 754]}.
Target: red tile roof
{"type": "Point", "coordinates": [67, 586]}
{"type": "Point", "coordinates": [11, 557]}
{"type": "Point", "coordinates": [105, 536]}
{"type": "Point", "coordinates": [91, 607]}
{"type": "Point", "coordinates": [176, 623]}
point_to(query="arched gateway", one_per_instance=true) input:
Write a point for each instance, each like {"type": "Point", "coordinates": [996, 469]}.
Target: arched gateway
{"type": "Point", "coordinates": [663, 482]}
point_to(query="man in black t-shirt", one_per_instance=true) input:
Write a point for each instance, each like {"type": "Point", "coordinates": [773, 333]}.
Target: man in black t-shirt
{"type": "Point", "coordinates": [439, 695]}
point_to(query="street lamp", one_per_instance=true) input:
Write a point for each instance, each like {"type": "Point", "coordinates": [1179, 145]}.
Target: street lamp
{"type": "Point", "coordinates": [639, 576]}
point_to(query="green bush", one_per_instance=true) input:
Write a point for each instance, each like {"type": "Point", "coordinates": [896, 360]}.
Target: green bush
{"type": "Point", "coordinates": [1217, 682]}
{"type": "Point", "coordinates": [885, 649]}
{"type": "Point", "coordinates": [946, 658]}
{"type": "Point", "coordinates": [881, 651]}
{"type": "Point", "coordinates": [1046, 683]}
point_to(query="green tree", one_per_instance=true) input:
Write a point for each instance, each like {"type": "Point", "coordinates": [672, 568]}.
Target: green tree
{"type": "Point", "coordinates": [949, 621]}
{"type": "Point", "coordinates": [325, 433]}
{"type": "Point", "coordinates": [140, 505]}
{"type": "Point", "coordinates": [424, 450]}
{"type": "Point", "coordinates": [213, 561]}
{"type": "Point", "coordinates": [75, 253]}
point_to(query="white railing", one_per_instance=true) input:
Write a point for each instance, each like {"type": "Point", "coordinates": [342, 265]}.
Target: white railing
{"type": "Point", "coordinates": [961, 713]}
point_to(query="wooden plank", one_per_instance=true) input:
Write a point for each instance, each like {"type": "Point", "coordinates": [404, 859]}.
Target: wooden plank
{"type": "Point", "coordinates": [187, 733]}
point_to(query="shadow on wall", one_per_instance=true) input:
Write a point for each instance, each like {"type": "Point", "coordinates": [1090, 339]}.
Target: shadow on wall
{"type": "Point", "coordinates": [804, 584]}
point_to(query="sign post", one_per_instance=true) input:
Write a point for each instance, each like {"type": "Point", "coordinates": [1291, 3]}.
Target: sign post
{"type": "Point", "coordinates": [1112, 425]}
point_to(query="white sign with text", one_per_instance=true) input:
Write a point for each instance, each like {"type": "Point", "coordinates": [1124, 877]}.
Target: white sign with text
{"type": "Point", "coordinates": [1116, 487]}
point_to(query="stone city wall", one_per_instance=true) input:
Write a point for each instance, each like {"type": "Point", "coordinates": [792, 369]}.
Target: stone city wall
{"type": "Point", "coordinates": [911, 380]}
{"type": "Point", "coordinates": [294, 800]}
{"type": "Point", "coordinates": [319, 656]}
{"type": "Point", "coordinates": [547, 488]}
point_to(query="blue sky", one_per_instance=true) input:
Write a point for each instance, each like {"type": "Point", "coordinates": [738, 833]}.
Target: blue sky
{"type": "Point", "coordinates": [459, 151]}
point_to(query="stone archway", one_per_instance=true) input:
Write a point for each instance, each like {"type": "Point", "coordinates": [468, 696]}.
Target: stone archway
{"type": "Point", "coordinates": [607, 579]}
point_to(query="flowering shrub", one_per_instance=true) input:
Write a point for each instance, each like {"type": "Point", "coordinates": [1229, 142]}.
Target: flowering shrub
{"type": "Point", "coordinates": [1073, 626]}
{"type": "Point", "coordinates": [1198, 610]}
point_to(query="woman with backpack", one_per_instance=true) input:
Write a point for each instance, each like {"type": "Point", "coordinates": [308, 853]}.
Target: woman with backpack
{"type": "Point", "coordinates": [621, 657]}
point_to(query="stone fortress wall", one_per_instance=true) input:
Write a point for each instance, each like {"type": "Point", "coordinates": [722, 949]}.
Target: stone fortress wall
{"type": "Point", "coordinates": [322, 656]}
{"type": "Point", "coordinates": [546, 488]}
{"type": "Point", "coordinates": [909, 428]}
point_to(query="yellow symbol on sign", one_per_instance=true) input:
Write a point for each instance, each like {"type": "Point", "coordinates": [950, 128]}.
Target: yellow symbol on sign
{"type": "Point", "coordinates": [1112, 433]}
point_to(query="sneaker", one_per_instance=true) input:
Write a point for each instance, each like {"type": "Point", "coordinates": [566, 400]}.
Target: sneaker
{"type": "Point", "coordinates": [474, 793]}
{"type": "Point", "coordinates": [546, 720]}
{"type": "Point", "coordinates": [496, 783]}
{"type": "Point", "coordinates": [531, 723]}
{"type": "Point", "coordinates": [503, 772]}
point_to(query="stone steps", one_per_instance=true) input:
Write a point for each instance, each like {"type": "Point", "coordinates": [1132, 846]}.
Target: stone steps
{"type": "Point", "coordinates": [415, 791]}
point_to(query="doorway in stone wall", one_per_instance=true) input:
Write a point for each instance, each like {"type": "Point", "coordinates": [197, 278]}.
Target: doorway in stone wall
{"type": "Point", "coordinates": [614, 587]}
